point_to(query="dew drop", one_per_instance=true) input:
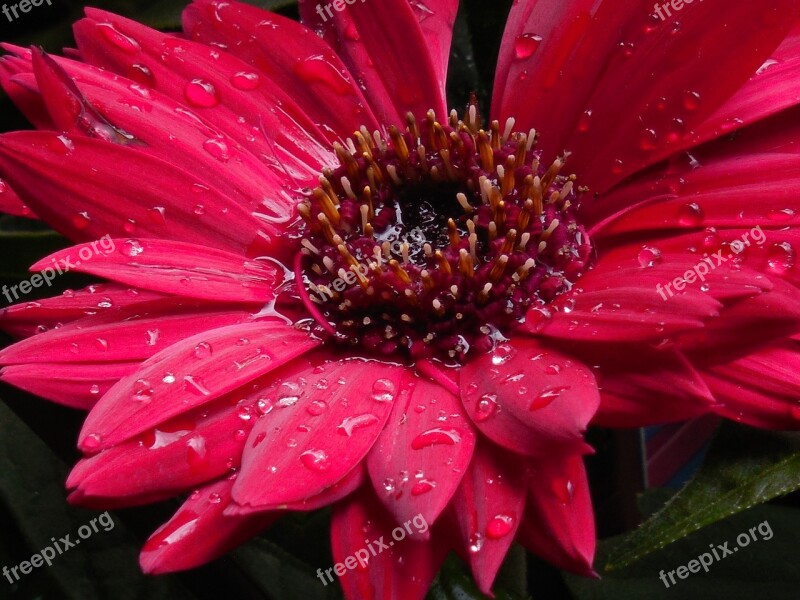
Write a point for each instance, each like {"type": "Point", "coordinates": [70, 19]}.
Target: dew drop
{"type": "Point", "coordinates": [476, 543]}
{"type": "Point", "coordinates": [132, 248]}
{"type": "Point", "coordinates": [690, 215]}
{"type": "Point", "coordinates": [526, 45]}
{"type": "Point", "coordinates": [218, 148]}
{"type": "Point", "coordinates": [383, 390]}
{"type": "Point", "coordinates": [691, 100]}
{"type": "Point", "coordinates": [142, 391]}
{"type": "Point", "coordinates": [486, 408]}
{"type": "Point", "coordinates": [92, 441]}
{"type": "Point", "coordinates": [318, 69]}
{"type": "Point", "coordinates": [436, 436]}
{"type": "Point", "coordinates": [81, 221]}
{"type": "Point", "coordinates": [317, 407]}
{"type": "Point", "coordinates": [649, 256]}
{"type": "Point", "coordinates": [502, 354]}
{"type": "Point", "coordinates": [546, 398]}
{"type": "Point", "coordinates": [245, 80]}
{"type": "Point", "coordinates": [142, 75]}
{"type": "Point", "coordinates": [423, 486]}
{"type": "Point", "coordinates": [195, 385]}
{"type": "Point", "coordinates": [583, 122]}
{"type": "Point", "coordinates": [203, 350]}
{"type": "Point", "coordinates": [315, 460]}
{"type": "Point", "coordinates": [201, 93]}
{"type": "Point", "coordinates": [350, 424]}
{"type": "Point", "coordinates": [500, 526]}
{"type": "Point", "coordinates": [117, 38]}
{"type": "Point", "coordinates": [780, 258]}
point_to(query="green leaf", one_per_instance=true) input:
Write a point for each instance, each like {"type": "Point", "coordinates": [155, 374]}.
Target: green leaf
{"type": "Point", "coordinates": [744, 467]}
{"type": "Point", "coordinates": [34, 510]}
{"type": "Point", "coordinates": [766, 568]}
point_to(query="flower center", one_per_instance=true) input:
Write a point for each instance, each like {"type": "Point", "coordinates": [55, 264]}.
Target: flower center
{"type": "Point", "coordinates": [438, 239]}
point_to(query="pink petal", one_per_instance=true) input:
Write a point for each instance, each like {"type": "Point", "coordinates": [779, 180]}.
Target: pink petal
{"type": "Point", "coordinates": [165, 129]}
{"type": "Point", "coordinates": [404, 570]}
{"type": "Point", "coordinates": [396, 82]}
{"type": "Point", "coordinates": [621, 313]}
{"type": "Point", "coordinates": [339, 490]}
{"type": "Point", "coordinates": [489, 506]}
{"type": "Point", "coordinates": [422, 453]}
{"type": "Point", "coordinates": [154, 199]}
{"type": "Point", "coordinates": [761, 389]}
{"type": "Point", "coordinates": [528, 398]}
{"type": "Point", "coordinates": [189, 374]}
{"type": "Point", "coordinates": [200, 531]}
{"type": "Point", "coordinates": [606, 56]}
{"type": "Point", "coordinates": [11, 204]}
{"type": "Point", "coordinates": [190, 270]}
{"type": "Point", "coordinates": [325, 418]}
{"type": "Point", "coordinates": [720, 194]}
{"type": "Point", "coordinates": [194, 448]}
{"type": "Point", "coordinates": [774, 87]}
{"type": "Point", "coordinates": [29, 318]}
{"type": "Point", "coordinates": [74, 385]}
{"type": "Point", "coordinates": [559, 524]}
{"type": "Point", "coordinates": [203, 78]}
{"type": "Point", "coordinates": [642, 386]}
{"type": "Point", "coordinates": [132, 333]}
{"type": "Point", "coordinates": [287, 55]}
{"type": "Point", "coordinates": [28, 101]}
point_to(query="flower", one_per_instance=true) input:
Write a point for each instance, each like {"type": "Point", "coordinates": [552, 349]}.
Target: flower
{"type": "Point", "coordinates": [276, 339]}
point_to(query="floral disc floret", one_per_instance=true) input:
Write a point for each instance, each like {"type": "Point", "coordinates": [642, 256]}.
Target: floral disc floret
{"type": "Point", "coordinates": [439, 238]}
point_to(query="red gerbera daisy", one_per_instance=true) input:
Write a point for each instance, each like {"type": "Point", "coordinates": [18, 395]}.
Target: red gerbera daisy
{"type": "Point", "coordinates": [329, 290]}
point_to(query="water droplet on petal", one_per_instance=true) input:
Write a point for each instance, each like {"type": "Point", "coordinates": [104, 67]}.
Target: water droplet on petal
{"type": "Point", "coordinates": [317, 407]}
{"type": "Point", "coordinates": [142, 391]}
{"type": "Point", "coordinates": [690, 215]}
{"type": "Point", "coordinates": [486, 408]}
{"type": "Point", "coordinates": [383, 390]}
{"type": "Point", "coordinates": [350, 424]}
{"type": "Point", "coordinates": [780, 258]}
{"type": "Point", "coordinates": [92, 441]}
{"type": "Point", "coordinates": [217, 148]}
{"type": "Point", "coordinates": [203, 350]}
{"type": "Point", "coordinates": [132, 248]}
{"type": "Point", "coordinates": [649, 256]}
{"type": "Point", "coordinates": [245, 80]}
{"type": "Point", "coordinates": [546, 398]}
{"type": "Point", "coordinates": [196, 385]}
{"type": "Point", "coordinates": [201, 93]}
{"type": "Point", "coordinates": [318, 69]}
{"type": "Point", "coordinates": [476, 542]}
{"type": "Point", "coordinates": [436, 436]}
{"type": "Point", "coordinates": [502, 354]}
{"type": "Point", "coordinates": [526, 45]}
{"type": "Point", "coordinates": [315, 460]}
{"type": "Point", "coordinates": [691, 100]}
{"type": "Point", "coordinates": [563, 489]}
{"type": "Point", "coordinates": [423, 486]}
{"type": "Point", "coordinates": [500, 526]}
{"type": "Point", "coordinates": [117, 38]}
{"type": "Point", "coordinates": [81, 221]}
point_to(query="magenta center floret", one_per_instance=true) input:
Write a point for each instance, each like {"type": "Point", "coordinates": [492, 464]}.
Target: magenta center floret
{"type": "Point", "coordinates": [439, 238]}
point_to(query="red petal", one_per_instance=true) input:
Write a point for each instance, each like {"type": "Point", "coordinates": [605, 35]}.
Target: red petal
{"type": "Point", "coordinates": [761, 389]}
{"type": "Point", "coordinates": [29, 318]}
{"type": "Point", "coordinates": [191, 373]}
{"type": "Point", "coordinates": [186, 451]}
{"type": "Point", "coordinates": [720, 194]}
{"type": "Point", "coordinates": [185, 74]}
{"type": "Point", "coordinates": [641, 387]}
{"type": "Point", "coordinates": [422, 453]}
{"type": "Point", "coordinates": [154, 199]}
{"type": "Point", "coordinates": [200, 531]}
{"type": "Point", "coordinates": [559, 524]}
{"type": "Point", "coordinates": [529, 398]}
{"type": "Point", "coordinates": [621, 314]}
{"type": "Point", "coordinates": [403, 570]}
{"type": "Point", "coordinates": [173, 267]}
{"type": "Point", "coordinates": [127, 334]}
{"type": "Point", "coordinates": [489, 506]}
{"type": "Point", "coordinates": [325, 419]}
{"type": "Point", "coordinates": [11, 204]}
{"type": "Point", "coordinates": [165, 129]}
{"type": "Point", "coordinates": [74, 385]}
{"type": "Point", "coordinates": [289, 56]}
